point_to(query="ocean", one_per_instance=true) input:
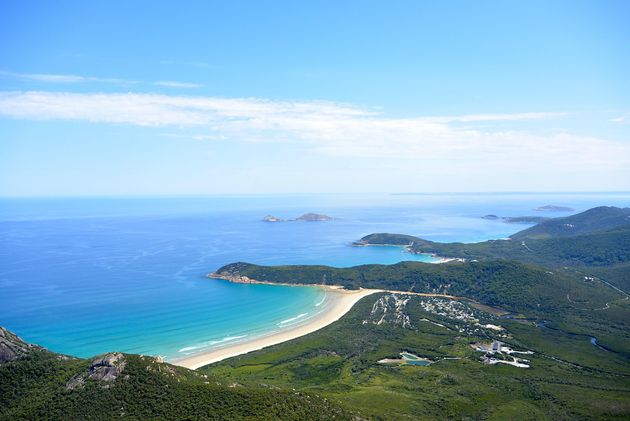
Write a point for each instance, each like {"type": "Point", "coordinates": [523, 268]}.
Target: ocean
{"type": "Point", "coordinates": [92, 275]}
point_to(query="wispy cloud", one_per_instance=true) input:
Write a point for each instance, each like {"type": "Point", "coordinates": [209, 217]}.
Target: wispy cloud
{"type": "Point", "coordinates": [334, 129]}
{"type": "Point", "coordinates": [77, 79]}
{"type": "Point", "coordinates": [171, 84]}
{"type": "Point", "coordinates": [471, 118]}
{"type": "Point", "coordinates": [625, 118]}
{"type": "Point", "coordinates": [64, 78]}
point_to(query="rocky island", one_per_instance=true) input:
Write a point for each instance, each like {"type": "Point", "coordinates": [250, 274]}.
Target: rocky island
{"type": "Point", "coordinates": [309, 217]}
{"type": "Point", "coordinates": [314, 217]}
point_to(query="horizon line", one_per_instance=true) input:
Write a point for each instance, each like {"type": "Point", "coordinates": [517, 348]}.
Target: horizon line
{"type": "Point", "coordinates": [267, 194]}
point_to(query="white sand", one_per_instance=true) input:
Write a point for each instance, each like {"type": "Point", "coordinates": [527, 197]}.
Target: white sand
{"type": "Point", "coordinates": [341, 302]}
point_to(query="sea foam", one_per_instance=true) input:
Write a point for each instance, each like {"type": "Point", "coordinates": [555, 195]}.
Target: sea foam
{"type": "Point", "coordinates": [299, 316]}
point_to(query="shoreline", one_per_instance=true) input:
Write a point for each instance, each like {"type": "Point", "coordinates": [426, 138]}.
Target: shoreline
{"type": "Point", "coordinates": [341, 302]}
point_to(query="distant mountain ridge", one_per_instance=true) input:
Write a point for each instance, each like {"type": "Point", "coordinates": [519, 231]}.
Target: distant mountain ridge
{"type": "Point", "coordinates": [599, 219]}
{"type": "Point", "coordinates": [553, 208]}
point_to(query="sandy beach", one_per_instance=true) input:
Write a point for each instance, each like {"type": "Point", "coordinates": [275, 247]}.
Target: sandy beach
{"type": "Point", "coordinates": [341, 301]}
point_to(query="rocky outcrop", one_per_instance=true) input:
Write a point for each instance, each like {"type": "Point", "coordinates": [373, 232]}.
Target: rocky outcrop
{"type": "Point", "coordinates": [234, 277]}
{"type": "Point", "coordinates": [104, 368]}
{"type": "Point", "coordinates": [232, 273]}
{"type": "Point", "coordinates": [12, 347]}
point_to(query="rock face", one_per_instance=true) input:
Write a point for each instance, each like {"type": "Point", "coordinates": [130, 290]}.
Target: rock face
{"type": "Point", "coordinates": [390, 309]}
{"type": "Point", "coordinates": [314, 217]}
{"type": "Point", "coordinates": [105, 368]}
{"type": "Point", "coordinates": [11, 346]}
{"type": "Point", "coordinates": [232, 273]}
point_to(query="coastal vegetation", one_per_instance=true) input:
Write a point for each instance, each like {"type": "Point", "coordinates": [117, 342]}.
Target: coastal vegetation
{"type": "Point", "coordinates": [491, 282]}
{"type": "Point", "coordinates": [38, 384]}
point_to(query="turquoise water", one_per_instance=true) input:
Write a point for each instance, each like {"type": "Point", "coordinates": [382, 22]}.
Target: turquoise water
{"type": "Point", "coordinates": [411, 359]}
{"type": "Point", "coordinates": [419, 362]}
{"type": "Point", "coordinates": [86, 276]}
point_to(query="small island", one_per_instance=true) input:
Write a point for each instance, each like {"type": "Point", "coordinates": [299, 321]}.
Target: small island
{"type": "Point", "coordinates": [271, 218]}
{"type": "Point", "coordinates": [490, 217]}
{"type": "Point", "coordinates": [314, 217]}
{"type": "Point", "coordinates": [309, 217]}
{"type": "Point", "coordinates": [553, 208]}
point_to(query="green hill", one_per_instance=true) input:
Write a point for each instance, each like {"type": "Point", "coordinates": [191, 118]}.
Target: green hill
{"type": "Point", "coordinates": [381, 239]}
{"type": "Point", "coordinates": [38, 384]}
{"type": "Point", "coordinates": [515, 286]}
{"type": "Point", "coordinates": [595, 249]}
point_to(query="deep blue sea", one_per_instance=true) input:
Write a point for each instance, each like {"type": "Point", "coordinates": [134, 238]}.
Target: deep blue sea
{"type": "Point", "coordinates": [86, 276]}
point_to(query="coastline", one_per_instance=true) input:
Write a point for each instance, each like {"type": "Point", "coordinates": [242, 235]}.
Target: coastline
{"type": "Point", "coordinates": [407, 248]}
{"type": "Point", "coordinates": [341, 301]}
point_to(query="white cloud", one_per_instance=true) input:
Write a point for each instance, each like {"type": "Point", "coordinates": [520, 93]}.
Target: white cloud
{"type": "Point", "coordinates": [164, 110]}
{"type": "Point", "coordinates": [341, 130]}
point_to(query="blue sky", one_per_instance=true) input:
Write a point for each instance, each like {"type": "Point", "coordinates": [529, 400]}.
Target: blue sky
{"type": "Point", "coordinates": [135, 98]}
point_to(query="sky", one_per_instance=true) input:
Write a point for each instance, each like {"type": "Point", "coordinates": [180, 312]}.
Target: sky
{"type": "Point", "coordinates": [274, 97]}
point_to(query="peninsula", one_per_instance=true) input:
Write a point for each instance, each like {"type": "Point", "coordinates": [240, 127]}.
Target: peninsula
{"type": "Point", "coordinates": [516, 219]}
